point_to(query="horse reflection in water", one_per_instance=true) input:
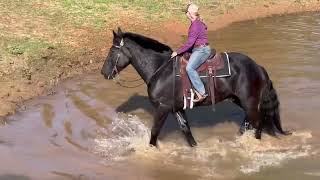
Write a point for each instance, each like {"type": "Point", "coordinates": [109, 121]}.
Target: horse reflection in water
{"type": "Point", "coordinates": [249, 85]}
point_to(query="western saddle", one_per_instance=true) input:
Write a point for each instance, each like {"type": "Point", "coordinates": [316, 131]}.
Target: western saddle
{"type": "Point", "coordinates": [209, 67]}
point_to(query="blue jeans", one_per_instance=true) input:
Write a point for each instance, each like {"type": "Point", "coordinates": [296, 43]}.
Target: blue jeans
{"type": "Point", "coordinates": [198, 57]}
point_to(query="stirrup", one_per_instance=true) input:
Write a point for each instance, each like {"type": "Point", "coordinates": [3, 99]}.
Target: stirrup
{"type": "Point", "coordinates": [200, 97]}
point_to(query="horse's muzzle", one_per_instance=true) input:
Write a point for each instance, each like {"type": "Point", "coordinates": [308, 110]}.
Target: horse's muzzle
{"type": "Point", "coordinates": [108, 76]}
{"type": "Point", "coordinates": [105, 75]}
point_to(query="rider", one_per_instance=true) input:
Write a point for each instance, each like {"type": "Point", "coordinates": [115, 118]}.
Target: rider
{"type": "Point", "coordinates": [198, 42]}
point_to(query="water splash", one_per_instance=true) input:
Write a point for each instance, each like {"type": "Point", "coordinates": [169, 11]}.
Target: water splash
{"type": "Point", "coordinates": [317, 174]}
{"type": "Point", "coordinates": [124, 135]}
{"type": "Point", "coordinates": [127, 137]}
{"type": "Point", "coordinates": [270, 151]}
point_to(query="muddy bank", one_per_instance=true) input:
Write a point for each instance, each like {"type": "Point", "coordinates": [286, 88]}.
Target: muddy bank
{"type": "Point", "coordinates": [92, 46]}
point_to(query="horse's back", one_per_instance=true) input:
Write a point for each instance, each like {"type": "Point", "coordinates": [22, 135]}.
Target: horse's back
{"type": "Point", "coordinates": [247, 71]}
{"type": "Point", "coordinates": [240, 60]}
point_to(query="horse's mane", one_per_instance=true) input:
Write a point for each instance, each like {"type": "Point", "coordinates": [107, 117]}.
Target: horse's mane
{"type": "Point", "coordinates": [147, 42]}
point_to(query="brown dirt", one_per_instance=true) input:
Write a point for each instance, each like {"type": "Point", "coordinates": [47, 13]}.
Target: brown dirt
{"type": "Point", "coordinates": [14, 90]}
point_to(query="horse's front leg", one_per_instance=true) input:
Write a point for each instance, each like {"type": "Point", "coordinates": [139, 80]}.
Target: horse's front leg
{"type": "Point", "coordinates": [160, 117]}
{"type": "Point", "coordinates": [184, 125]}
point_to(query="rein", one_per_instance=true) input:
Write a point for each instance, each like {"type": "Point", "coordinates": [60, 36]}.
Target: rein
{"type": "Point", "coordinates": [161, 67]}
{"type": "Point", "coordinates": [174, 65]}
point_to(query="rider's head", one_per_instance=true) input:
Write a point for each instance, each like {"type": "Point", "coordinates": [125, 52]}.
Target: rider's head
{"type": "Point", "coordinates": [192, 12]}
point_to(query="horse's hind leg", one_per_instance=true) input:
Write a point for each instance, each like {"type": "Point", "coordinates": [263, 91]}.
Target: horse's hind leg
{"type": "Point", "coordinates": [252, 119]}
{"type": "Point", "coordinates": [245, 125]}
{"type": "Point", "coordinates": [184, 125]}
{"type": "Point", "coordinates": [160, 116]}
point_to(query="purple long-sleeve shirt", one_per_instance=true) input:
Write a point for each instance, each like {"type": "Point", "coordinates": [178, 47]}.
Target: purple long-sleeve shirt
{"type": "Point", "coordinates": [197, 35]}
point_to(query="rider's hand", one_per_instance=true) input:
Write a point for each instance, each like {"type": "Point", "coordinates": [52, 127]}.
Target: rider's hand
{"type": "Point", "coordinates": [174, 54]}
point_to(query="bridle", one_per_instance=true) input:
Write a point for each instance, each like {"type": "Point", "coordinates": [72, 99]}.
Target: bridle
{"type": "Point", "coordinates": [114, 69]}
{"type": "Point", "coordinates": [117, 78]}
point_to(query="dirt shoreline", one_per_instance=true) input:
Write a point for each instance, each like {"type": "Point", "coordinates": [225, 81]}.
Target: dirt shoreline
{"type": "Point", "coordinates": [14, 91]}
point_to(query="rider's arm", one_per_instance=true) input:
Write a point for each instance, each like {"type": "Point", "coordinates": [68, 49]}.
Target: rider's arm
{"type": "Point", "coordinates": [193, 34]}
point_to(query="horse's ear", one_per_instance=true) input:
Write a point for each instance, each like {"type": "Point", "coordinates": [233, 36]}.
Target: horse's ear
{"type": "Point", "coordinates": [114, 34]}
{"type": "Point", "coordinates": [119, 31]}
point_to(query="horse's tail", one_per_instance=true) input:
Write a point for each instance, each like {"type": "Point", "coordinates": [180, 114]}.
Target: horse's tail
{"type": "Point", "coordinates": [269, 109]}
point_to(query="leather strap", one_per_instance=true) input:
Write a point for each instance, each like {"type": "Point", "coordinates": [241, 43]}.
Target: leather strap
{"type": "Point", "coordinates": [174, 65]}
{"type": "Point", "coordinates": [200, 45]}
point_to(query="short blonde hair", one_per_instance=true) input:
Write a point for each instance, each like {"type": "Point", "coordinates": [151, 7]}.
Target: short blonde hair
{"type": "Point", "coordinates": [193, 9]}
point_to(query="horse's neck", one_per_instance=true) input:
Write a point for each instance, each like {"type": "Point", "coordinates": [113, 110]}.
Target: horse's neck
{"type": "Point", "coordinates": [146, 61]}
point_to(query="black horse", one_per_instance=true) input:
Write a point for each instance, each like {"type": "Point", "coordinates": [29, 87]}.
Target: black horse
{"type": "Point", "coordinates": [249, 86]}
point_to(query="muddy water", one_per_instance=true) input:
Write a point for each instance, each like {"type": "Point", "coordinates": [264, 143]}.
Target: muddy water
{"type": "Point", "coordinates": [78, 132]}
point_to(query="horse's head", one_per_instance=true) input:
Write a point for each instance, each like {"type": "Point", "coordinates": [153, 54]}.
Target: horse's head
{"type": "Point", "coordinates": [118, 57]}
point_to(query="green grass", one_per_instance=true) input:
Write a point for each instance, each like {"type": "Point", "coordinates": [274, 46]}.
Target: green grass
{"type": "Point", "coordinates": [25, 54]}
{"type": "Point", "coordinates": [26, 46]}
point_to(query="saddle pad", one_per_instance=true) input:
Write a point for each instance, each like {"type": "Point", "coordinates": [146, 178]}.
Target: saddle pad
{"type": "Point", "coordinates": [224, 72]}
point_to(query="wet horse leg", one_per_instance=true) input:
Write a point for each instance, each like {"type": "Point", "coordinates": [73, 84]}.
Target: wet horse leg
{"type": "Point", "coordinates": [184, 125]}
{"type": "Point", "coordinates": [160, 116]}
{"type": "Point", "coordinates": [253, 117]}
{"type": "Point", "coordinates": [245, 125]}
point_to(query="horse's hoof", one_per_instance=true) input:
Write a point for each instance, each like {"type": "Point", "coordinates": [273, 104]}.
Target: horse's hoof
{"type": "Point", "coordinates": [153, 146]}
{"type": "Point", "coordinates": [258, 136]}
{"type": "Point", "coordinates": [153, 143]}
{"type": "Point", "coordinates": [241, 131]}
{"type": "Point", "coordinates": [192, 143]}
{"type": "Point", "coordinates": [286, 133]}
